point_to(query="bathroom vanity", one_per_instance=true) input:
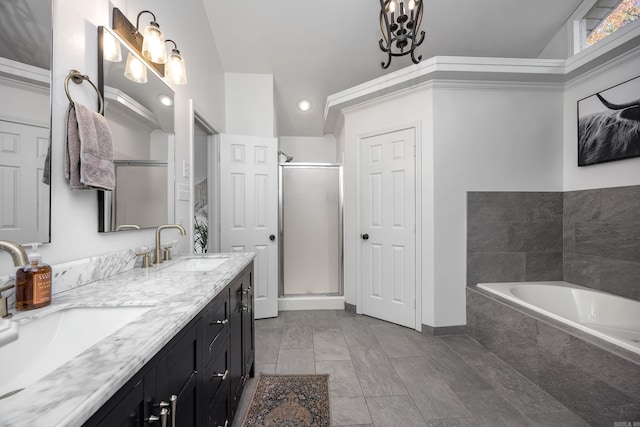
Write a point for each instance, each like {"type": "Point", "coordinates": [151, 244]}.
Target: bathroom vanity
{"type": "Point", "coordinates": [185, 359]}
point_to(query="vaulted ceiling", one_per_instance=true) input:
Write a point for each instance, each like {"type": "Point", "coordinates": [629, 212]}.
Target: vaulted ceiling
{"type": "Point", "coordinates": [317, 48]}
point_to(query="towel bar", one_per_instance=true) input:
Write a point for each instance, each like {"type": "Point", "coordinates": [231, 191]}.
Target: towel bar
{"type": "Point", "coordinates": [77, 78]}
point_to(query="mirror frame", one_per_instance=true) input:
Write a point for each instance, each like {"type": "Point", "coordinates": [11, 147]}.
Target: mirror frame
{"type": "Point", "coordinates": [106, 200]}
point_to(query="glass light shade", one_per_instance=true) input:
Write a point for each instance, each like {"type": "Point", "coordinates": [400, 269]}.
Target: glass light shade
{"type": "Point", "coordinates": [175, 69]}
{"type": "Point", "coordinates": [135, 70]}
{"type": "Point", "coordinates": [111, 48]}
{"type": "Point", "coordinates": [153, 47]}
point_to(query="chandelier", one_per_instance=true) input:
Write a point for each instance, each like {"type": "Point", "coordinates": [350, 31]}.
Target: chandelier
{"type": "Point", "coordinates": [400, 25]}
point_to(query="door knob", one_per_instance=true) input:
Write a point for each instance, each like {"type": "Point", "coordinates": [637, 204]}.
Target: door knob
{"type": "Point", "coordinates": [365, 236]}
{"type": "Point", "coordinates": [272, 237]}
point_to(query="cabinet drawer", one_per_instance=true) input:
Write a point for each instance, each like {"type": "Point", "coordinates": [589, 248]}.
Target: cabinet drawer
{"type": "Point", "coordinates": [216, 321]}
{"type": "Point", "coordinates": [217, 373]}
{"type": "Point", "coordinates": [218, 409]}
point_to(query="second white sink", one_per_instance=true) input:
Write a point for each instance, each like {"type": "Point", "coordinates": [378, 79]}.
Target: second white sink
{"type": "Point", "coordinates": [48, 342]}
{"type": "Point", "coordinates": [195, 264]}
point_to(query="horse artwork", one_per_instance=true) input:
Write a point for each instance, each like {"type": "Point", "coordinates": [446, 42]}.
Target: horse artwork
{"type": "Point", "coordinates": [609, 124]}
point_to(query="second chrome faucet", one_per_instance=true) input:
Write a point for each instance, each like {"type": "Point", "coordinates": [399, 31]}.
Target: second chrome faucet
{"type": "Point", "coordinates": [158, 250]}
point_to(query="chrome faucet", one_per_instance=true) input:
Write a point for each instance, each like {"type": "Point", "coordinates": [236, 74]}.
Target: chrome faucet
{"type": "Point", "coordinates": [20, 258]}
{"type": "Point", "coordinates": [158, 251]}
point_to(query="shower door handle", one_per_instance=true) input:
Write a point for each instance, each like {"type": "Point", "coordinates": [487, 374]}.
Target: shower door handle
{"type": "Point", "coordinates": [272, 237]}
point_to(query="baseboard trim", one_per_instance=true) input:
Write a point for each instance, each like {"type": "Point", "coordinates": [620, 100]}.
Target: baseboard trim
{"type": "Point", "coordinates": [311, 303]}
{"type": "Point", "coordinates": [351, 308]}
{"type": "Point", "coordinates": [439, 331]}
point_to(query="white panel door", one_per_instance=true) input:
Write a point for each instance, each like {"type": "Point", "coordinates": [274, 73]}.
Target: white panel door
{"type": "Point", "coordinates": [249, 210]}
{"type": "Point", "coordinates": [387, 191]}
{"type": "Point", "coordinates": [24, 199]}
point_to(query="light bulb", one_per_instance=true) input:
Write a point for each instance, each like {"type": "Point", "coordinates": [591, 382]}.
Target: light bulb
{"type": "Point", "coordinates": [111, 48]}
{"type": "Point", "coordinates": [153, 47]}
{"type": "Point", "coordinates": [392, 6]}
{"type": "Point", "coordinates": [135, 70]}
{"type": "Point", "coordinates": [412, 4]}
{"type": "Point", "coordinates": [175, 68]}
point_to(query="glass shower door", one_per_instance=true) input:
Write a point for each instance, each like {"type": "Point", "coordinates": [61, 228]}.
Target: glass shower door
{"type": "Point", "coordinates": [311, 229]}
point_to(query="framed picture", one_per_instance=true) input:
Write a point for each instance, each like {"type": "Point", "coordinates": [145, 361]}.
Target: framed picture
{"type": "Point", "coordinates": [609, 124]}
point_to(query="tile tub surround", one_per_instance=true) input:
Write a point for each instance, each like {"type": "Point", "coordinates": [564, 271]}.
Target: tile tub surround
{"type": "Point", "coordinates": [598, 381]}
{"type": "Point", "coordinates": [514, 236]}
{"type": "Point", "coordinates": [71, 394]}
{"type": "Point", "coordinates": [602, 239]}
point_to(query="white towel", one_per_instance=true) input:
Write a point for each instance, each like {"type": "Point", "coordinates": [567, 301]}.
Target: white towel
{"type": "Point", "coordinates": [88, 159]}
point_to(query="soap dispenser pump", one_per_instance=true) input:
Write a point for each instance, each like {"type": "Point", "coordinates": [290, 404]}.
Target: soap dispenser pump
{"type": "Point", "coordinates": [33, 282]}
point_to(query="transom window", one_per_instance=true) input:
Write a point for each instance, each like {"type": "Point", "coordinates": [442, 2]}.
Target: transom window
{"type": "Point", "coordinates": [606, 17]}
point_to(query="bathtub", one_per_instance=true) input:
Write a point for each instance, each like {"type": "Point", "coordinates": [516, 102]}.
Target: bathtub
{"type": "Point", "coordinates": [612, 318]}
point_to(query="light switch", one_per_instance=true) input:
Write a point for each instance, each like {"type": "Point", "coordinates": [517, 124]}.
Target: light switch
{"type": "Point", "coordinates": [186, 169]}
{"type": "Point", "coordinates": [183, 192]}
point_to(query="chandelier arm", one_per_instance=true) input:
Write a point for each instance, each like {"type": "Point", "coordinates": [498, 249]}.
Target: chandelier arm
{"type": "Point", "coordinates": [385, 66]}
{"type": "Point", "coordinates": [420, 40]}
{"type": "Point", "coordinates": [384, 49]}
{"type": "Point", "coordinates": [413, 57]}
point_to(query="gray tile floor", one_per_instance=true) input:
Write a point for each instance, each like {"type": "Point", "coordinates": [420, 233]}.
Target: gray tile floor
{"type": "Point", "coordinates": [387, 375]}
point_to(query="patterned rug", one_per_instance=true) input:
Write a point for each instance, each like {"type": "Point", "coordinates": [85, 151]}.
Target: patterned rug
{"type": "Point", "coordinates": [290, 401]}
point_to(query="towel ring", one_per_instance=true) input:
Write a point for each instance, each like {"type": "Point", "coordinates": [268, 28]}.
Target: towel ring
{"type": "Point", "coordinates": [77, 78]}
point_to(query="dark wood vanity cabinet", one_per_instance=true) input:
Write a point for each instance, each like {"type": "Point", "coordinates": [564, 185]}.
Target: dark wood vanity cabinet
{"type": "Point", "coordinates": [203, 368]}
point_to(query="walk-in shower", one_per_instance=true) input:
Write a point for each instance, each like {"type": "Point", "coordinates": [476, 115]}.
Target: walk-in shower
{"type": "Point", "coordinates": [311, 230]}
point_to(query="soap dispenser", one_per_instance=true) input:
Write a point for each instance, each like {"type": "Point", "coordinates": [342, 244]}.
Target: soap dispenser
{"type": "Point", "coordinates": [33, 282]}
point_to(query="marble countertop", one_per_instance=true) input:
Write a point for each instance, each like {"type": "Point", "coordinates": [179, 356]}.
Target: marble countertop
{"type": "Point", "coordinates": [69, 395]}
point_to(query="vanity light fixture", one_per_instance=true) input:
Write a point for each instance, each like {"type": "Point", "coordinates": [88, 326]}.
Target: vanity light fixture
{"type": "Point", "coordinates": [135, 70]}
{"type": "Point", "coordinates": [304, 105]}
{"type": "Point", "coordinates": [402, 31]}
{"type": "Point", "coordinates": [153, 47]}
{"type": "Point", "coordinates": [132, 37]}
{"type": "Point", "coordinates": [175, 68]}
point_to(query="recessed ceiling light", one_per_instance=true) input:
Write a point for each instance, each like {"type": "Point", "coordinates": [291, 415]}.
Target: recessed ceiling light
{"type": "Point", "coordinates": [165, 100]}
{"type": "Point", "coordinates": [304, 105]}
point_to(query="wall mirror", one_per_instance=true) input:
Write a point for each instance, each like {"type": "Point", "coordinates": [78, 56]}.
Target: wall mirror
{"type": "Point", "coordinates": [25, 117]}
{"type": "Point", "coordinates": [139, 108]}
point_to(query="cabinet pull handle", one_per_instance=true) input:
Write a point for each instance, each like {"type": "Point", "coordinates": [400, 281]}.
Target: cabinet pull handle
{"type": "Point", "coordinates": [226, 423]}
{"type": "Point", "coordinates": [246, 290]}
{"type": "Point", "coordinates": [217, 375]}
{"type": "Point", "coordinates": [174, 408]}
{"type": "Point", "coordinates": [244, 307]}
{"type": "Point", "coordinates": [152, 419]}
{"type": "Point", "coordinates": [163, 417]}
{"type": "Point", "coordinates": [219, 322]}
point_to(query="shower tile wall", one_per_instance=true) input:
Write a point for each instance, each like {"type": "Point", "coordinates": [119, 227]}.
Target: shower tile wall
{"type": "Point", "coordinates": [602, 239]}
{"type": "Point", "coordinates": [514, 236]}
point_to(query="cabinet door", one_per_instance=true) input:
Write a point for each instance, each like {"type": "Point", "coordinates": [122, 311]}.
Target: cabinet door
{"type": "Point", "coordinates": [235, 342]}
{"type": "Point", "coordinates": [129, 410]}
{"type": "Point", "coordinates": [248, 338]}
{"type": "Point", "coordinates": [178, 376]}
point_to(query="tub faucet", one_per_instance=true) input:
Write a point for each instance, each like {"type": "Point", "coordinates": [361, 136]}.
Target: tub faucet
{"type": "Point", "coordinates": [20, 258]}
{"type": "Point", "coordinates": [158, 251]}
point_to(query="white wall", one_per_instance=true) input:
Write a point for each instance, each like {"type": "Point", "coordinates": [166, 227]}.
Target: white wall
{"type": "Point", "coordinates": [612, 174]}
{"type": "Point", "coordinates": [74, 223]}
{"type": "Point", "coordinates": [249, 104]}
{"type": "Point", "coordinates": [472, 136]}
{"type": "Point", "coordinates": [310, 149]}
{"type": "Point", "coordinates": [488, 137]}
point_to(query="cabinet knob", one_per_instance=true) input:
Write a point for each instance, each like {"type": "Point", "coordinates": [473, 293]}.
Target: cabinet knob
{"type": "Point", "coordinates": [152, 419]}
{"type": "Point", "coordinates": [244, 307]}
{"type": "Point", "coordinates": [219, 322]}
{"type": "Point", "coordinates": [246, 290]}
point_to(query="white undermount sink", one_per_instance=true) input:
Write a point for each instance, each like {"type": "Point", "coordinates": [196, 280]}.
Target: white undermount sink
{"type": "Point", "coordinates": [195, 264]}
{"type": "Point", "coordinates": [48, 342]}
